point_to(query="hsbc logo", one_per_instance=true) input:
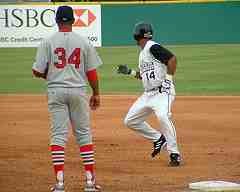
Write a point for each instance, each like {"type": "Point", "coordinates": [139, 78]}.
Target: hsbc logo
{"type": "Point", "coordinates": [83, 17]}
{"type": "Point", "coordinates": [31, 18]}
{"type": "Point", "coordinates": [26, 25]}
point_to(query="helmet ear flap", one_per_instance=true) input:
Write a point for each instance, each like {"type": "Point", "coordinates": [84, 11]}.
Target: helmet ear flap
{"type": "Point", "coordinates": [136, 37]}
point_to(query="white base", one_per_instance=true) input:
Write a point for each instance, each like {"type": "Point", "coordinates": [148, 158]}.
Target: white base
{"type": "Point", "coordinates": [216, 186]}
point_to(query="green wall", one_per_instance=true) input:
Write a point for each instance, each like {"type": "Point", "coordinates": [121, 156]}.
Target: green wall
{"type": "Point", "coordinates": [181, 23]}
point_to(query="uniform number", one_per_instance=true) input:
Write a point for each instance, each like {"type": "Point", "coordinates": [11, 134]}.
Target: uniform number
{"type": "Point", "coordinates": [150, 75]}
{"type": "Point", "coordinates": [74, 58]}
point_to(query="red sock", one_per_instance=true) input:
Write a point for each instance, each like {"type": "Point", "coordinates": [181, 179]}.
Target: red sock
{"type": "Point", "coordinates": [58, 161]}
{"type": "Point", "coordinates": [87, 154]}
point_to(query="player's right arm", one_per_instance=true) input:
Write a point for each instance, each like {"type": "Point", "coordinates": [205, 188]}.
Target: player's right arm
{"type": "Point", "coordinates": [40, 66]}
{"type": "Point", "coordinates": [38, 74]}
{"type": "Point", "coordinates": [138, 76]}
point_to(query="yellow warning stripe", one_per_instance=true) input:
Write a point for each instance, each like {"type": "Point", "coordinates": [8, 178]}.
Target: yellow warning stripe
{"type": "Point", "coordinates": [120, 2]}
{"type": "Point", "coordinates": [163, 2]}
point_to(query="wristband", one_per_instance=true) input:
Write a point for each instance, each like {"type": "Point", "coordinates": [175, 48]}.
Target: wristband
{"type": "Point", "coordinates": [133, 73]}
{"type": "Point", "coordinates": [169, 77]}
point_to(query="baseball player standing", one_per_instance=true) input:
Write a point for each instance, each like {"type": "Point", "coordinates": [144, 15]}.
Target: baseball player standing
{"type": "Point", "coordinates": [67, 61]}
{"type": "Point", "coordinates": [157, 66]}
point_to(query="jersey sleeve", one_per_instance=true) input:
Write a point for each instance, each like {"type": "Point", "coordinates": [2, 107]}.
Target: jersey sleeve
{"type": "Point", "coordinates": [160, 53]}
{"type": "Point", "coordinates": [93, 60]}
{"type": "Point", "coordinates": [41, 59]}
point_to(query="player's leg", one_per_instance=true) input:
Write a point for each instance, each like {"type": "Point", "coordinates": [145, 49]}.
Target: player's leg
{"type": "Point", "coordinates": [59, 131]}
{"type": "Point", "coordinates": [161, 105]}
{"type": "Point", "coordinates": [79, 115]}
{"type": "Point", "coordinates": [135, 119]}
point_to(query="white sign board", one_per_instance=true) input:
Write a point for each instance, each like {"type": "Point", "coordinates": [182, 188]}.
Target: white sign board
{"type": "Point", "coordinates": [27, 25]}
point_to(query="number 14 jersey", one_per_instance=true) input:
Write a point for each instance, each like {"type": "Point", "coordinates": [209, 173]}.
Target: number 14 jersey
{"type": "Point", "coordinates": [152, 70]}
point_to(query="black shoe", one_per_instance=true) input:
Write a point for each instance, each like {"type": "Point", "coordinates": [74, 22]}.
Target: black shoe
{"type": "Point", "coordinates": [175, 160]}
{"type": "Point", "coordinates": [157, 145]}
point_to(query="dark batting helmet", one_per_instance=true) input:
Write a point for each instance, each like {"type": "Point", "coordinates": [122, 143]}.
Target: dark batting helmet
{"type": "Point", "coordinates": [64, 14]}
{"type": "Point", "coordinates": [142, 30]}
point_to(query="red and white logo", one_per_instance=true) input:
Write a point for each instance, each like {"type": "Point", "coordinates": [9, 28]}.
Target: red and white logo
{"type": "Point", "coordinates": [83, 17]}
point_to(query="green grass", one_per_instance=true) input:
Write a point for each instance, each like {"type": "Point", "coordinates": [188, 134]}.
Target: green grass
{"type": "Point", "coordinates": [202, 70]}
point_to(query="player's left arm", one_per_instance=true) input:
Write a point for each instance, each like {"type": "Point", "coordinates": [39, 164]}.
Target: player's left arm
{"type": "Point", "coordinates": [92, 77]}
{"type": "Point", "coordinates": [93, 61]}
{"type": "Point", "coordinates": [165, 56]}
{"type": "Point", "coordinates": [169, 59]}
{"type": "Point", "coordinates": [172, 66]}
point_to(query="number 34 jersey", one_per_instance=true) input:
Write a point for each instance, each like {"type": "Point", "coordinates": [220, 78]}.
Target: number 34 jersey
{"type": "Point", "coordinates": [66, 57]}
{"type": "Point", "coordinates": [152, 71]}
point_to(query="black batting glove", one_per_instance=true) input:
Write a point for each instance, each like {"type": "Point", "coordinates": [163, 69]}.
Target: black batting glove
{"type": "Point", "coordinates": [124, 69]}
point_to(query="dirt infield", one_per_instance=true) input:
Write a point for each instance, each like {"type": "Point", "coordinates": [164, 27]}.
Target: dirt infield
{"type": "Point", "coordinates": [207, 127]}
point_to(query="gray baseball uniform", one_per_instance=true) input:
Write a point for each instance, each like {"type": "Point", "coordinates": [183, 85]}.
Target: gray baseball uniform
{"type": "Point", "coordinates": [67, 57]}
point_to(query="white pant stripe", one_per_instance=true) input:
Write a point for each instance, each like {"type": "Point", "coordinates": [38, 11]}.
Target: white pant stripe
{"type": "Point", "coordinates": [87, 156]}
{"type": "Point", "coordinates": [58, 163]}
{"type": "Point", "coordinates": [171, 123]}
{"type": "Point", "coordinates": [88, 159]}
{"type": "Point", "coordinates": [58, 159]}
{"type": "Point", "coordinates": [89, 163]}
{"type": "Point", "coordinates": [173, 127]}
{"type": "Point", "coordinates": [86, 153]}
{"type": "Point", "coordinates": [57, 156]}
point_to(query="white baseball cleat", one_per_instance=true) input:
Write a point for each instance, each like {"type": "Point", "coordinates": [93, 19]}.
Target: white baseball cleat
{"type": "Point", "coordinates": [91, 187]}
{"type": "Point", "coordinates": [57, 188]}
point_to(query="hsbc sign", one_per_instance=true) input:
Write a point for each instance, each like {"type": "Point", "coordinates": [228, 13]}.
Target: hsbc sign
{"type": "Point", "coordinates": [32, 18]}
{"type": "Point", "coordinates": [25, 17]}
{"type": "Point", "coordinates": [27, 25]}
{"type": "Point", "coordinates": [83, 17]}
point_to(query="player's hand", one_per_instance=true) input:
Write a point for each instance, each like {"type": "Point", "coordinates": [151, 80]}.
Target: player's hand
{"type": "Point", "coordinates": [94, 102]}
{"type": "Point", "coordinates": [123, 69]}
{"type": "Point", "coordinates": [166, 86]}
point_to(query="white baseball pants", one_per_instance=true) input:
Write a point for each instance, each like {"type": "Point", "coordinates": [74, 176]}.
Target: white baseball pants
{"type": "Point", "coordinates": [160, 104]}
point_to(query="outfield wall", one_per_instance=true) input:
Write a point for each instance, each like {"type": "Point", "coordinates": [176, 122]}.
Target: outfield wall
{"type": "Point", "coordinates": [174, 23]}
{"type": "Point", "coordinates": [111, 24]}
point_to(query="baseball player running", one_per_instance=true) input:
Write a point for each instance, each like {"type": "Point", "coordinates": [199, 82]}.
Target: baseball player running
{"type": "Point", "coordinates": [157, 66]}
{"type": "Point", "coordinates": [67, 61]}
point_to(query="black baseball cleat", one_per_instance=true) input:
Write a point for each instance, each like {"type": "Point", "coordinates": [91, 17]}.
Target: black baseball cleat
{"type": "Point", "coordinates": [158, 145]}
{"type": "Point", "coordinates": [175, 160]}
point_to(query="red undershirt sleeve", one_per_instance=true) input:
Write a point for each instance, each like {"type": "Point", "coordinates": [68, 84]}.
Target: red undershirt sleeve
{"type": "Point", "coordinates": [92, 75]}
